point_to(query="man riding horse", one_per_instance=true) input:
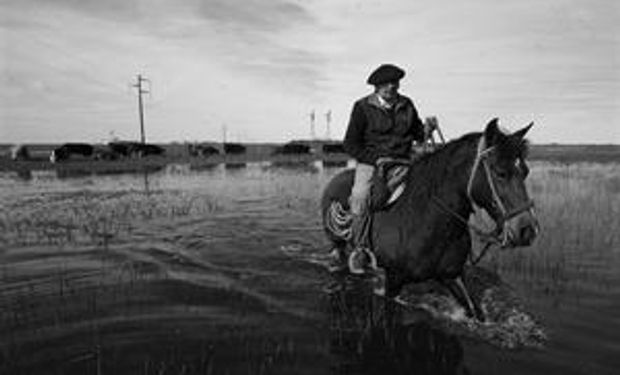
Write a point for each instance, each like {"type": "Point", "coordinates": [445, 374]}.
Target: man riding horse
{"type": "Point", "coordinates": [382, 127]}
{"type": "Point", "coordinates": [424, 233]}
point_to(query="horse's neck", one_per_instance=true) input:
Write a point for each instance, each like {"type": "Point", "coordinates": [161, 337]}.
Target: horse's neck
{"type": "Point", "coordinates": [448, 174]}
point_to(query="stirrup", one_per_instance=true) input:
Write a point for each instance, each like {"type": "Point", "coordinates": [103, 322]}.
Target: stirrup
{"type": "Point", "coordinates": [372, 261]}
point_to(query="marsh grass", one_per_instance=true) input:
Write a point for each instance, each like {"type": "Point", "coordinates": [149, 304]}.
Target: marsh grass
{"type": "Point", "coordinates": [578, 207]}
{"type": "Point", "coordinates": [94, 218]}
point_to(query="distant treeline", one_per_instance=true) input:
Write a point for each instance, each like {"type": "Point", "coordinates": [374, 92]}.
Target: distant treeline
{"type": "Point", "coordinates": [575, 153]}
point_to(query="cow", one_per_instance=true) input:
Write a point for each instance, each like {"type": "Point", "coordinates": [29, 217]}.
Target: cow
{"type": "Point", "coordinates": [122, 148]}
{"type": "Point", "coordinates": [147, 149]}
{"type": "Point", "coordinates": [69, 150]}
{"type": "Point", "coordinates": [333, 148]}
{"type": "Point", "coordinates": [20, 152]}
{"type": "Point", "coordinates": [105, 152]}
{"type": "Point", "coordinates": [130, 149]}
{"type": "Point", "coordinates": [292, 149]}
{"type": "Point", "coordinates": [202, 150]}
{"type": "Point", "coordinates": [234, 148]}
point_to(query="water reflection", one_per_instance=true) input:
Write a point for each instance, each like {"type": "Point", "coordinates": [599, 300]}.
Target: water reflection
{"type": "Point", "coordinates": [77, 172]}
{"type": "Point", "coordinates": [235, 165]}
{"type": "Point", "coordinates": [368, 336]}
{"type": "Point", "coordinates": [145, 177]}
{"type": "Point", "coordinates": [24, 174]}
{"type": "Point", "coordinates": [62, 173]}
{"type": "Point", "coordinates": [301, 166]}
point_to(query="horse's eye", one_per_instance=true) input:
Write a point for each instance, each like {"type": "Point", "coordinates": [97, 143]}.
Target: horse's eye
{"type": "Point", "coordinates": [522, 167]}
{"type": "Point", "coordinates": [525, 170]}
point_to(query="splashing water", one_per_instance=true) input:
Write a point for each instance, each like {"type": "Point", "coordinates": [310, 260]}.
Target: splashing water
{"type": "Point", "coordinates": [508, 325]}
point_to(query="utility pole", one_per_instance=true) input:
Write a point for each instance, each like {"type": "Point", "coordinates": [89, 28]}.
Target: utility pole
{"type": "Point", "coordinates": [141, 91]}
{"type": "Point", "coordinates": [328, 120]}
{"type": "Point", "coordinates": [224, 131]}
{"type": "Point", "coordinates": [312, 118]}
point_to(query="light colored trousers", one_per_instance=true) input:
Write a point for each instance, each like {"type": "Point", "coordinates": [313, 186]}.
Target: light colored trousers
{"type": "Point", "coordinates": [360, 203]}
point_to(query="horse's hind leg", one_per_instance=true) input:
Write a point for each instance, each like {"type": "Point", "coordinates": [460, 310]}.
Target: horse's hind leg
{"type": "Point", "coordinates": [459, 291]}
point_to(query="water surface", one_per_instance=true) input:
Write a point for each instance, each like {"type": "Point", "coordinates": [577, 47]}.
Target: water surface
{"type": "Point", "coordinates": [220, 271]}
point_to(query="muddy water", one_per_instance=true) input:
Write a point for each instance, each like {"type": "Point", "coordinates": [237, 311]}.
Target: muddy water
{"type": "Point", "coordinates": [221, 271]}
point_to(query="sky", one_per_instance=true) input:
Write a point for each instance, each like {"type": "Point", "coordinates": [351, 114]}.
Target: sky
{"type": "Point", "coordinates": [254, 70]}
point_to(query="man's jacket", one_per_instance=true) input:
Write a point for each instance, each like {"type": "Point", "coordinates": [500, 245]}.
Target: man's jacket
{"type": "Point", "coordinates": [375, 131]}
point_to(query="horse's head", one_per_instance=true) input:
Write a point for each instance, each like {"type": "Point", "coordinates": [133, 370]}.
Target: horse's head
{"type": "Point", "coordinates": [497, 184]}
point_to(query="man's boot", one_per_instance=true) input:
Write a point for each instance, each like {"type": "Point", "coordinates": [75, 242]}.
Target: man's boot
{"type": "Point", "coordinates": [361, 260]}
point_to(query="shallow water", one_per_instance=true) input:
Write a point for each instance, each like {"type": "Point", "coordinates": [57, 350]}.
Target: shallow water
{"type": "Point", "coordinates": [221, 271]}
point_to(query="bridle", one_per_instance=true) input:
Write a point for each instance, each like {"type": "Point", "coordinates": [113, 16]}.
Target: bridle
{"type": "Point", "coordinates": [502, 229]}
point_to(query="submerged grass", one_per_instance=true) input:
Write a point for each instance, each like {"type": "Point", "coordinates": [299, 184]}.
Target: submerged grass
{"type": "Point", "coordinates": [94, 218]}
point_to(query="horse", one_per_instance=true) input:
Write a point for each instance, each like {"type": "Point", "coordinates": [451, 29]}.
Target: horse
{"type": "Point", "coordinates": [129, 149]}
{"type": "Point", "coordinates": [425, 234]}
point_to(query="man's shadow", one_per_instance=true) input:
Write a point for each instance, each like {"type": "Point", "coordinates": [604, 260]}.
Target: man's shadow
{"type": "Point", "coordinates": [371, 335]}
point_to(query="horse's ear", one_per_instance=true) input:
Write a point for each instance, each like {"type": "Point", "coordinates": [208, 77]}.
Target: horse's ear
{"type": "Point", "coordinates": [520, 134]}
{"type": "Point", "coordinates": [491, 132]}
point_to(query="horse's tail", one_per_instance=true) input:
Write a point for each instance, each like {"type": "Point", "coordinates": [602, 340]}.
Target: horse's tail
{"type": "Point", "coordinates": [335, 208]}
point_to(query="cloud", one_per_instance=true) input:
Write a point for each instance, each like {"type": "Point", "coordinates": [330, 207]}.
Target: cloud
{"type": "Point", "coordinates": [253, 15]}
{"type": "Point", "coordinates": [261, 66]}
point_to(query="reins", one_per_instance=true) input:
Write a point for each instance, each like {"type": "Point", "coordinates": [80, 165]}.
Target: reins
{"type": "Point", "coordinates": [489, 238]}
{"type": "Point", "coordinates": [492, 237]}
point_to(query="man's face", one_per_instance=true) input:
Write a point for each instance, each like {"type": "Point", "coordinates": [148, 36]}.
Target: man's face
{"type": "Point", "coordinates": [388, 91]}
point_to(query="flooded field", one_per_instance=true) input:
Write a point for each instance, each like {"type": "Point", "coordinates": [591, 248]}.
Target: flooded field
{"type": "Point", "coordinates": [221, 271]}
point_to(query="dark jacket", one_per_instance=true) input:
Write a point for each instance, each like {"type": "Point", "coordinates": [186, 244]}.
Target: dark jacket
{"type": "Point", "coordinates": [376, 132]}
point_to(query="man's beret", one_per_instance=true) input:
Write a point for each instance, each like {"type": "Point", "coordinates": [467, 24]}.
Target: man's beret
{"type": "Point", "coordinates": [384, 74]}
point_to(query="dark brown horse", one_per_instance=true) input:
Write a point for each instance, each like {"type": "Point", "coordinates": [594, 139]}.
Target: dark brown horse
{"type": "Point", "coordinates": [424, 235]}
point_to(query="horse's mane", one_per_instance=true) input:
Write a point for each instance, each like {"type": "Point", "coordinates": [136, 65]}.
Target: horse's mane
{"type": "Point", "coordinates": [432, 169]}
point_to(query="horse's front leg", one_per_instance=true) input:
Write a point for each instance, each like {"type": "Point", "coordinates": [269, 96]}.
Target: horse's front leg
{"type": "Point", "coordinates": [459, 291]}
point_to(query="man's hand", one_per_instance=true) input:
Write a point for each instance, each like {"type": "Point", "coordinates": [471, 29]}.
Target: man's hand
{"type": "Point", "coordinates": [429, 126]}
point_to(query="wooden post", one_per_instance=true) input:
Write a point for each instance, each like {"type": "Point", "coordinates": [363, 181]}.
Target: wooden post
{"type": "Point", "coordinates": [138, 85]}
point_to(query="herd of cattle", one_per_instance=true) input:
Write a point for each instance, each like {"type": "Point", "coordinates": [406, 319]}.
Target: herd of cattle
{"type": "Point", "coordinates": [128, 150]}
{"type": "Point", "coordinates": [111, 151]}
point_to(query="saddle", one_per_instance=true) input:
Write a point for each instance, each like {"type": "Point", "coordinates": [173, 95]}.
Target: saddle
{"type": "Point", "coordinates": [388, 183]}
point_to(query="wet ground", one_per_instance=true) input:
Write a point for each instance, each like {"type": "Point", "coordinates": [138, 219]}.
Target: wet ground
{"type": "Point", "coordinates": [221, 271]}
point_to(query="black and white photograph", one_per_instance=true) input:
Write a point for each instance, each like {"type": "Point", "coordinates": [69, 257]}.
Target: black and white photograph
{"type": "Point", "coordinates": [309, 187]}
